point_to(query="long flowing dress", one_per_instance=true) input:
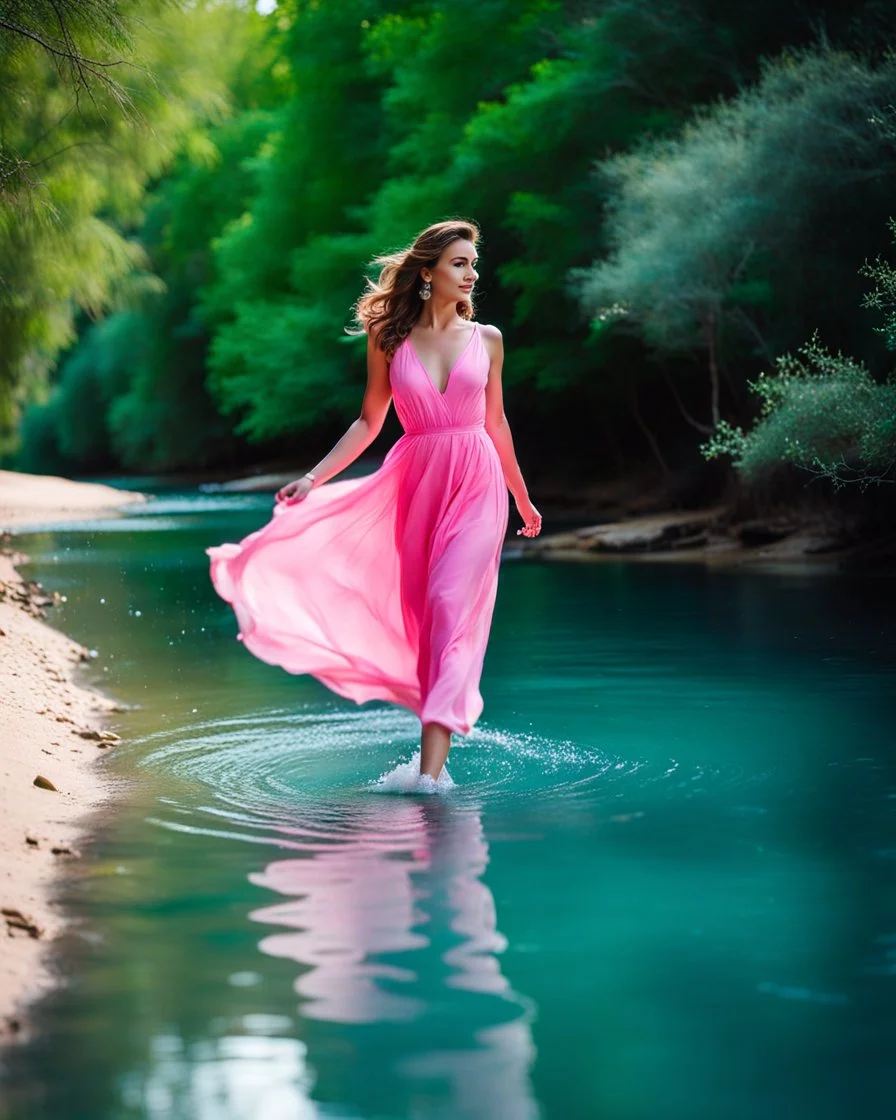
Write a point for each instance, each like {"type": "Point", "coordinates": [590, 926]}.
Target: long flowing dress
{"type": "Point", "coordinates": [383, 587]}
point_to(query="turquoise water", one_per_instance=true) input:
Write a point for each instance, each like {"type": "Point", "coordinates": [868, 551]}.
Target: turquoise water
{"type": "Point", "coordinates": [663, 888]}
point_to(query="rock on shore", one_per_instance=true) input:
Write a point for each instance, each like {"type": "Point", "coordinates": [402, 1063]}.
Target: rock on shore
{"type": "Point", "coordinates": [715, 536]}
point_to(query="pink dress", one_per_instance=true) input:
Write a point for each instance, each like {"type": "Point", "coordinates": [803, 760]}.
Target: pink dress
{"type": "Point", "coordinates": [383, 587]}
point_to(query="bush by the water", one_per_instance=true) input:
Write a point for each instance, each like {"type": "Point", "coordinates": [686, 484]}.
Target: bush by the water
{"type": "Point", "coordinates": [821, 412]}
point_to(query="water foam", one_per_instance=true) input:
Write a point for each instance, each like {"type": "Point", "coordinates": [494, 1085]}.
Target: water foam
{"type": "Point", "coordinates": [406, 778]}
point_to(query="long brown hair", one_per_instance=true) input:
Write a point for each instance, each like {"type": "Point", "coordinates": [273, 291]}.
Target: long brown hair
{"type": "Point", "coordinates": [392, 305]}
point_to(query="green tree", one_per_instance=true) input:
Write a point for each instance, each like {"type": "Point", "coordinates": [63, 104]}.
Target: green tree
{"type": "Point", "coordinates": [719, 235]}
{"type": "Point", "coordinates": [341, 129]}
{"type": "Point", "coordinates": [146, 362]}
{"type": "Point", "coordinates": [76, 156]}
{"type": "Point", "coordinates": [287, 268]}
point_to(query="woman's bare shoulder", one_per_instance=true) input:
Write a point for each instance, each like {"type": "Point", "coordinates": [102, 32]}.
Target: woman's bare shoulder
{"type": "Point", "coordinates": [492, 340]}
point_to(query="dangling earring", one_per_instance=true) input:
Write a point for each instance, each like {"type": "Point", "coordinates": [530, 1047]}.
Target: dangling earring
{"type": "Point", "coordinates": [426, 291]}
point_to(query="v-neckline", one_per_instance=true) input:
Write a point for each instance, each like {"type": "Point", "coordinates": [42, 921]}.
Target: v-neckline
{"type": "Point", "coordinates": [460, 357]}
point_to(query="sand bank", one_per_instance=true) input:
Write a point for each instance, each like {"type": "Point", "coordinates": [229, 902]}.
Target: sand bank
{"type": "Point", "coordinates": [31, 499]}
{"type": "Point", "coordinates": [52, 731]}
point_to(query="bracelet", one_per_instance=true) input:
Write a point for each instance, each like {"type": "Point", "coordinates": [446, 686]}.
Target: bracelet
{"type": "Point", "coordinates": [308, 474]}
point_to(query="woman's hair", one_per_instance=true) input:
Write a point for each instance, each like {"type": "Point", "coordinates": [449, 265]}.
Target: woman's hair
{"type": "Point", "coordinates": [392, 305]}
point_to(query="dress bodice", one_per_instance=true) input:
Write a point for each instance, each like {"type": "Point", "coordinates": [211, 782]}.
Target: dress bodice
{"type": "Point", "coordinates": [419, 404]}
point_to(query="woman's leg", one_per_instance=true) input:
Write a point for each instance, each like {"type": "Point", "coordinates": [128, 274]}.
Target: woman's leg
{"type": "Point", "coordinates": [435, 743]}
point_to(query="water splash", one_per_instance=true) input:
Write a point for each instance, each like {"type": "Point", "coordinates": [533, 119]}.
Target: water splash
{"type": "Point", "coordinates": [406, 778]}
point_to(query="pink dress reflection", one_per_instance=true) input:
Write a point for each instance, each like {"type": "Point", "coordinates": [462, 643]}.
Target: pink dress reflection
{"type": "Point", "coordinates": [405, 880]}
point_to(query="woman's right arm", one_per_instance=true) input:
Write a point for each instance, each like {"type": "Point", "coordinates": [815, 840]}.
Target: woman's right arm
{"type": "Point", "coordinates": [360, 434]}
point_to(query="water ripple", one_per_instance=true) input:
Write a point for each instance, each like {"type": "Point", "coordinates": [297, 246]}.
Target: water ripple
{"type": "Point", "coordinates": [265, 769]}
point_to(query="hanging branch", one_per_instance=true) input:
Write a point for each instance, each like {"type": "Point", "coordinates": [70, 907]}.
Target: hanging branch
{"type": "Point", "coordinates": [84, 68]}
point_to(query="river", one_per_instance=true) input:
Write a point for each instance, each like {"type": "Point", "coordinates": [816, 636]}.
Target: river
{"type": "Point", "coordinates": [662, 889]}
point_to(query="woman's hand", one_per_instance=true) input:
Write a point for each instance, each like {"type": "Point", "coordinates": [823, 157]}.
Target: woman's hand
{"type": "Point", "coordinates": [531, 517]}
{"type": "Point", "coordinates": [295, 491]}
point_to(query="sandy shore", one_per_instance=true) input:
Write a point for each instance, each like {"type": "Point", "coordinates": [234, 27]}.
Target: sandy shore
{"type": "Point", "coordinates": [53, 731]}
{"type": "Point", "coordinates": [31, 499]}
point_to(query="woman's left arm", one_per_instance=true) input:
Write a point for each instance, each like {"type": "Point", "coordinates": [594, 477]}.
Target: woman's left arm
{"type": "Point", "coordinates": [499, 432]}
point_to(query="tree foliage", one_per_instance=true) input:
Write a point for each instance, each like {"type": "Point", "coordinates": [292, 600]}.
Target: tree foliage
{"type": "Point", "coordinates": [180, 250]}
{"type": "Point", "coordinates": [823, 412]}
{"type": "Point", "coordinates": [76, 157]}
{"type": "Point", "coordinates": [68, 252]}
{"type": "Point", "coordinates": [712, 232]}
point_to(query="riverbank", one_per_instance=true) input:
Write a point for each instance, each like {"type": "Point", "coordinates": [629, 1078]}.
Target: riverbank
{"type": "Point", "coordinates": [53, 732]}
{"type": "Point", "coordinates": [32, 499]}
{"type": "Point", "coordinates": [713, 537]}
{"type": "Point", "coordinates": [643, 520]}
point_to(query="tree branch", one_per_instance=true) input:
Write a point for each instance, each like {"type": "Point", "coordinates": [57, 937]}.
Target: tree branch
{"type": "Point", "coordinates": [648, 434]}
{"type": "Point", "coordinates": [706, 429]}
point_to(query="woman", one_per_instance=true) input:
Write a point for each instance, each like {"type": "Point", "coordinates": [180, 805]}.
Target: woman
{"type": "Point", "coordinates": [383, 587]}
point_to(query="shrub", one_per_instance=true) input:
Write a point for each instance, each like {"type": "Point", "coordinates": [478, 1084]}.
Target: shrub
{"type": "Point", "coordinates": [821, 412]}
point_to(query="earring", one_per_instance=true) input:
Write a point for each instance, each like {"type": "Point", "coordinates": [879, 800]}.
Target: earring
{"type": "Point", "coordinates": [426, 291]}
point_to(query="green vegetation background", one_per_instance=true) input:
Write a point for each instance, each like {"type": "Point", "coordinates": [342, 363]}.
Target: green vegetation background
{"type": "Point", "coordinates": [675, 196]}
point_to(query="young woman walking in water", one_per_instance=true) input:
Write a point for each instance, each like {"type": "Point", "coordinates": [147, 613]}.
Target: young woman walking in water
{"type": "Point", "coordinates": [383, 587]}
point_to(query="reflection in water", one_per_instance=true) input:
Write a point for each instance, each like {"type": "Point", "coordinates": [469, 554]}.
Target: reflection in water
{"type": "Point", "coordinates": [238, 1076]}
{"type": "Point", "coordinates": [387, 916]}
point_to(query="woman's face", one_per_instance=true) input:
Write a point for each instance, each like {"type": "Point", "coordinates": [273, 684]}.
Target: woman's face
{"type": "Point", "coordinates": [455, 273]}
